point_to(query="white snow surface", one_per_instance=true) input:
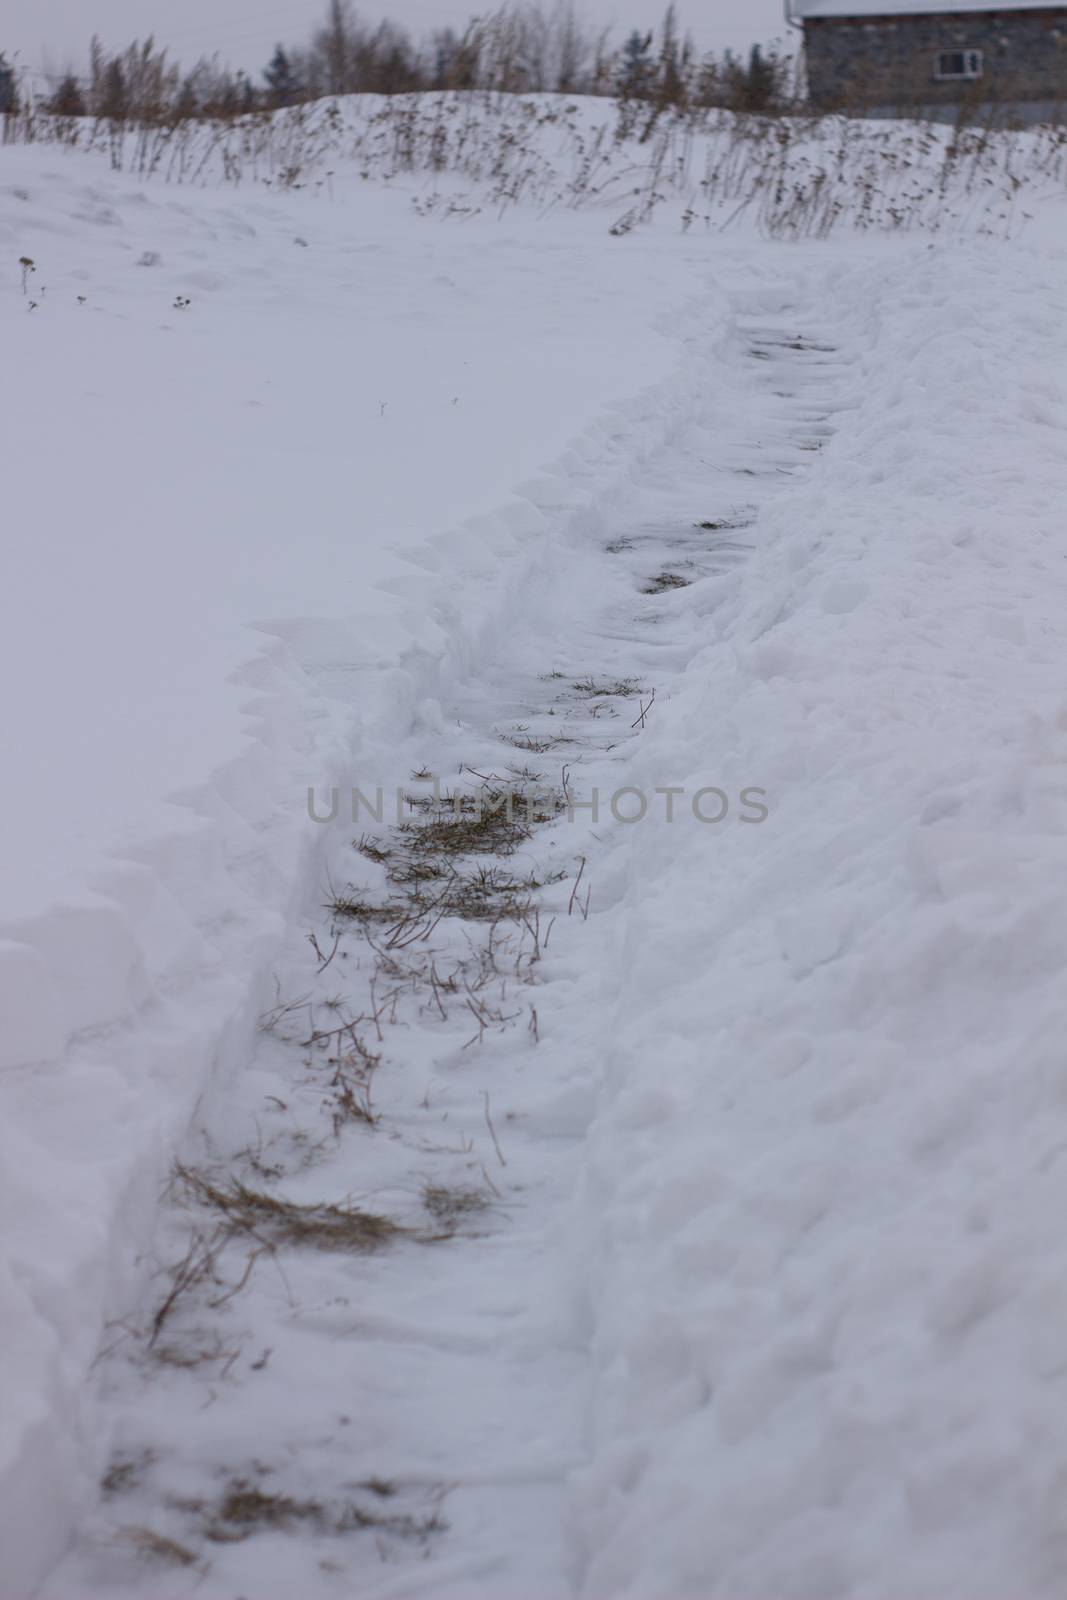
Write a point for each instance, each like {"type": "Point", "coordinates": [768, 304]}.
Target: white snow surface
{"type": "Point", "coordinates": [333, 458]}
{"type": "Point", "coordinates": [779, 1306]}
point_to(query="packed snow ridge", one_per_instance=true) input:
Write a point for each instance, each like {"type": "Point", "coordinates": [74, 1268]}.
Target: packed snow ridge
{"type": "Point", "coordinates": [633, 1167]}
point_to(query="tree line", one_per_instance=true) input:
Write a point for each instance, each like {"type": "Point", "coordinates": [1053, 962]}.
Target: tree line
{"type": "Point", "coordinates": [525, 47]}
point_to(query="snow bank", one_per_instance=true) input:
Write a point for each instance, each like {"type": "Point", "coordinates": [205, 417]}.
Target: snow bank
{"type": "Point", "coordinates": [465, 155]}
{"type": "Point", "coordinates": [827, 1175]}
{"type": "Point", "coordinates": [278, 466]}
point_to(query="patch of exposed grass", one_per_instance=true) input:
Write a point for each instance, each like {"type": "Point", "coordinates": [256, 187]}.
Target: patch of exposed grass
{"type": "Point", "coordinates": [384, 1488]}
{"type": "Point", "coordinates": [607, 688]}
{"type": "Point", "coordinates": [157, 1547]}
{"type": "Point", "coordinates": [355, 905]}
{"type": "Point", "coordinates": [493, 820]}
{"type": "Point", "coordinates": [728, 524]}
{"type": "Point", "coordinates": [797, 342]}
{"type": "Point", "coordinates": [536, 744]}
{"type": "Point", "coordinates": [125, 1473]}
{"type": "Point", "coordinates": [489, 894]}
{"type": "Point", "coordinates": [350, 1089]}
{"type": "Point", "coordinates": [434, 886]}
{"type": "Point", "coordinates": [450, 1204]}
{"type": "Point", "coordinates": [373, 850]}
{"type": "Point", "coordinates": [245, 1509]}
{"type": "Point", "coordinates": [275, 1221]}
{"type": "Point", "coordinates": [664, 582]}
{"type": "Point", "coordinates": [414, 876]}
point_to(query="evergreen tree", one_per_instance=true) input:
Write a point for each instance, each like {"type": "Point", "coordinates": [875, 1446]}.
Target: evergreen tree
{"type": "Point", "coordinates": [443, 54]}
{"type": "Point", "coordinates": [8, 96]}
{"type": "Point", "coordinates": [282, 82]}
{"type": "Point", "coordinates": [761, 82]}
{"type": "Point", "coordinates": [637, 70]}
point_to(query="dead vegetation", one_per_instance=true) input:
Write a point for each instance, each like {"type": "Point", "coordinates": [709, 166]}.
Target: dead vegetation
{"type": "Point", "coordinates": [450, 1204]}
{"type": "Point", "coordinates": [505, 951]}
{"type": "Point", "coordinates": [796, 175]}
{"type": "Point", "coordinates": [729, 523]}
{"type": "Point", "coordinates": [197, 1268]}
{"type": "Point", "coordinates": [125, 1473]}
{"type": "Point", "coordinates": [536, 744]}
{"type": "Point", "coordinates": [431, 866]}
{"type": "Point", "coordinates": [495, 819]}
{"type": "Point", "coordinates": [480, 894]}
{"type": "Point", "coordinates": [449, 866]}
{"type": "Point", "coordinates": [274, 1221]}
{"type": "Point", "coordinates": [664, 582]}
{"type": "Point", "coordinates": [594, 688]}
{"type": "Point", "coordinates": [152, 1546]}
{"type": "Point", "coordinates": [422, 863]}
{"type": "Point", "coordinates": [245, 1509]}
{"type": "Point", "coordinates": [357, 905]}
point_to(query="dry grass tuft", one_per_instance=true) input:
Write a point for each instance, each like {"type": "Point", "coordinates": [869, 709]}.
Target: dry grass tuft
{"type": "Point", "coordinates": [536, 744]}
{"type": "Point", "coordinates": [197, 1268]}
{"type": "Point", "coordinates": [493, 820]}
{"type": "Point", "coordinates": [608, 688]}
{"type": "Point", "coordinates": [355, 905]}
{"type": "Point", "coordinates": [275, 1221]}
{"type": "Point", "coordinates": [450, 1204]}
{"type": "Point", "coordinates": [728, 524]}
{"type": "Point", "coordinates": [664, 582]}
{"type": "Point", "coordinates": [373, 850]}
{"type": "Point", "coordinates": [157, 1547]}
{"type": "Point", "coordinates": [125, 1473]}
{"type": "Point", "coordinates": [245, 1509]}
{"type": "Point", "coordinates": [436, 888]}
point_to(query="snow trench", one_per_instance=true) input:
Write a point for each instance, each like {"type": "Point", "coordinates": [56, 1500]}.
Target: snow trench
{"type": "Point", "coordinates": [686, 1223]}
{"type": "Point", "coordinates": [385, 1383]}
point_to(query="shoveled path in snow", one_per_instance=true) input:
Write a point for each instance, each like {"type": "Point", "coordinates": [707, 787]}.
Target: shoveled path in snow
{"type": "Point", "coordinates": [394, 1407]}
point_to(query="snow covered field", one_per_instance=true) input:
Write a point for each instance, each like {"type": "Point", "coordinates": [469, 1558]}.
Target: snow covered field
{"type": "Point", "coordinates": [718, 1246]}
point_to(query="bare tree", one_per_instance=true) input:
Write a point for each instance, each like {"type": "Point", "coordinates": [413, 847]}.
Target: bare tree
{"type": "Point", "coordinates": [336, 44]}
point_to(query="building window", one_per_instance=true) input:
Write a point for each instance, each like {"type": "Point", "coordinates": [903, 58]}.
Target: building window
{"type": "Point", "coordinates": [958, 64]}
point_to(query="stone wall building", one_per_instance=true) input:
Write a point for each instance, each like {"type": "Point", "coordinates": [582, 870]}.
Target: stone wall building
{"type": "Point", "coordinates": [938, 56]}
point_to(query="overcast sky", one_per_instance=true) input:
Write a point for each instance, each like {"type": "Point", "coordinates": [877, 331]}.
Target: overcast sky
{"type": "Point", "coordinates": [56, 33]}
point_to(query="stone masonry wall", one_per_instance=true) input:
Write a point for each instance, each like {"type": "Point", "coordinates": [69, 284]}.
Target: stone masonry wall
{"type": "Point", "coordinates": [859, 62]}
